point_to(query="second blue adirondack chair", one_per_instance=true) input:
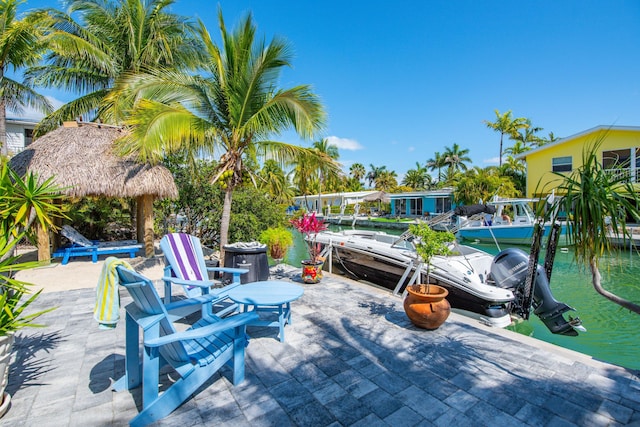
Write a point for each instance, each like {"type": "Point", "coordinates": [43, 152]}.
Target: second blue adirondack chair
{"type": "Point", "coordinates": [186, 266]}
{"type": "Point", "coordinates": [196, 354]}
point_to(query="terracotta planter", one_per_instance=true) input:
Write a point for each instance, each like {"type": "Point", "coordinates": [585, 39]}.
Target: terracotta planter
{"type": "Point", "coordinates": [311, 271]}
{"type": "Point", "coordinates": [6, 345]}
{"type": "Point", "coordinates": [427, 310]}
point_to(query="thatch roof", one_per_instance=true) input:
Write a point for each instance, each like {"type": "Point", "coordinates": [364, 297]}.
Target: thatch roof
{"type": "Point", "coordinates": [83, 162]}
{"type": "Point", "coordinates": [378, 196]}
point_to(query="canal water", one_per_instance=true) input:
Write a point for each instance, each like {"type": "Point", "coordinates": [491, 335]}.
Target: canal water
{"type": "Point", "coordinates": [613, 333]}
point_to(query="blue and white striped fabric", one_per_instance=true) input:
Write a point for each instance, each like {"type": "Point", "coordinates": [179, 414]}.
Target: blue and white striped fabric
{"type": "Point", "coordinates": [107, 308]}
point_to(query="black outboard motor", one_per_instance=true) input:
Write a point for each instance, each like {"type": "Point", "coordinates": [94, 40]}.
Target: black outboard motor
{"type": "Point", "coordinates": [509, 270]}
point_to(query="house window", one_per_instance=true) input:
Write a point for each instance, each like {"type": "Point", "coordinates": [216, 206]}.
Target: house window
{"type": "Point", "coordinates": [28, 136]}
{"type": "Point", "coordinates": [443, 204]}
{"type": "Point", "coordinates": [415, 206]}
{"type": "Point", "coordinates": [561, 164]}
{"type": "Point", "coordinates": [613, 159]}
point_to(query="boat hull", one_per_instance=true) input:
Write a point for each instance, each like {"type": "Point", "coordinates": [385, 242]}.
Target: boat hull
{"type": "Point", "coordinates": [510, 234]}
{"type": "Point", "coordinates": [385, 272]}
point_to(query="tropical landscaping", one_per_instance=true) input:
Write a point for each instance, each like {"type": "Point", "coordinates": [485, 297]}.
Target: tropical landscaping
{"type": "Point", "coordinates": [213, 113]}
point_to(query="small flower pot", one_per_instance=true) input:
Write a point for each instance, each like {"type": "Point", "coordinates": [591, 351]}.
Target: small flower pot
{"type": "Point", "coordinates": [311, 271]}
{"type": "Point", "coordinates": [427, 309]}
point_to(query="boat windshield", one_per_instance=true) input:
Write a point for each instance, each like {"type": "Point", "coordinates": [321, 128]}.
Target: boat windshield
{"type": "Point", "coordinates": [404, 241]}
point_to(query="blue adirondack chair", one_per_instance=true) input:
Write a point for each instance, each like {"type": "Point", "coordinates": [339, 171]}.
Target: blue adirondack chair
{"type": "Point", "coordinates": [195, 354]}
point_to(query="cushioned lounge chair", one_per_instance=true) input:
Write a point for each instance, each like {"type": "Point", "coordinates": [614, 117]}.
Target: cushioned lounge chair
{"type": "Point", "coordinates": [81, 246]}
{"type": "Point", "coordinates": [195, 354]}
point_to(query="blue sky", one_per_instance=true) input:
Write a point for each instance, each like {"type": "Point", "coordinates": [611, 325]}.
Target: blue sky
{"type": "Point", "coordinates": [402, 80]}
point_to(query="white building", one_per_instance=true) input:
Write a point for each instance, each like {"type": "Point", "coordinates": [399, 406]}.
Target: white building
{"type": "Point", "coordinates": [19, 134]}
{"type": "Point", "coordinates": [312, 202]}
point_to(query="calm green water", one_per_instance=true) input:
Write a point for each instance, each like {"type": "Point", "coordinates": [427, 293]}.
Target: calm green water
{"type": "Point", "coordinates": [613, 333]}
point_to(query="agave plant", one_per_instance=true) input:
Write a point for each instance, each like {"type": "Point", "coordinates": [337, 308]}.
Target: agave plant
{"type": "Point", "coordinates": [25, 202]}
{"type": "Point", "coordinates": [13, 293]}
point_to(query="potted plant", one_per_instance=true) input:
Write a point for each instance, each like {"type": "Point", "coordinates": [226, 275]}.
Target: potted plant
{"type": "Point", "coordinates": [25, 202]}
{"type": "Point", "coordinates": [310, 226]}
{"type": "Point", "coordinates": [425, 303]}
{"type": "Point", "coordinates": [278, 241]}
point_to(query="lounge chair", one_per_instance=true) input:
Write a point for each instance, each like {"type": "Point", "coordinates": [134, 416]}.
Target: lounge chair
{"type": "Point", "coordinates": [187, 267]}
{"type": "Point", "coordinates": [196, 354]}
{"type": "Point", "coordinates": [81, 246]}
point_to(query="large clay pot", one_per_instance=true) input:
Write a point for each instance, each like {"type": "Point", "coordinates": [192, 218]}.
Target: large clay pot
{"type": "Point", "coordinates": [311, 271]}
{"type": "Point", "coordinates": [6, 344]}
{"type": "Point", "coordinates": [427, 310]}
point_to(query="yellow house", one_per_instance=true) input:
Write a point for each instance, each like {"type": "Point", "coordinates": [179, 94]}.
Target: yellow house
{"type": "Point", "coordinates": [619, 152]}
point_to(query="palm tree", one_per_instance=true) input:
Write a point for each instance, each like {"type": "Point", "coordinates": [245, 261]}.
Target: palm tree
{"type": "Point", "coordinates": [436, 162]}
{"type": "Point", "coordinates": [274, 182]}
{"type": "Point", "coordinates": [528, 137]}
{"type": "Point", "coordinates": [374, 172]}
{"type": "Point", "coordinates": [418, 178]}
{"type": "Point", "coordinates": [326, 157]}
{"type": "Point", "coordinates": [506, 125]}
{"type": "Point", "coordinates": [357, 171]}
{"type": "Point", "coordinates": [598, 201]}
{"type": "Point", "coordinates": [549, 139]}
{"type": "Point", "coordinates": [455, 158]}
{"type": "Point", "coordinates": [482, 184]}
{"type": "Point", "coordinates": [386, 180]}
{"type": "Point", "coordinates": [20, 46]}
{"type": "Point", "coordinates": [352, 184]}
{"type": "Point", "coordinates": [517, 148]}
{"type": "Point", "coordinates": [111, 38]}
{"type": "Point", "coordinates": [232, 110]}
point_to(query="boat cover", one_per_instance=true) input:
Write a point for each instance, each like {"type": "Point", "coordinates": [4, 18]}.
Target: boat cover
{"type": "Point", "coordinates": [474, 209]}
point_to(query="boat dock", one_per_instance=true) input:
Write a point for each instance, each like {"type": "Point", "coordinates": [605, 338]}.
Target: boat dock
{"type": "Point", "coordinates": [351, 358]}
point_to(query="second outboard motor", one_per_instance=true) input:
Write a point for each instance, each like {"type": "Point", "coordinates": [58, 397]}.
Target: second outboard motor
{"type": "Point", "coordinates": [509, 270]}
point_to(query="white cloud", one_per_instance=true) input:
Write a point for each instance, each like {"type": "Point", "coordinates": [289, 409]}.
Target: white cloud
{"type": "Point", "coordinates": [411, 149]}
{"type": "Point", "coordinates": [344, 143]}
{"type": "Point", "coordinates": [492, 161]}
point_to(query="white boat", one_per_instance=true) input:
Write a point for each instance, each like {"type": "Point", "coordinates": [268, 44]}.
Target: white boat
{"type": "Point", "coordinates": [501, 220]}
{"type": "Point", "coordinates": [480, 285]}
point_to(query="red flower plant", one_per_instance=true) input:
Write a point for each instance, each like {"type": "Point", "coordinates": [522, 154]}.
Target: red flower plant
{"type": "Point", "coordinates": [310, 226]}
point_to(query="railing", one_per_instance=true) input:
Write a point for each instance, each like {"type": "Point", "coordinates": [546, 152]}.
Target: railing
{"type": "Point", "coordinates": [624, 174]}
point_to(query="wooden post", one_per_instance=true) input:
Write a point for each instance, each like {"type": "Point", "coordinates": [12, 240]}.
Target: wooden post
{"type": "Point", "coordinates": [145, 223]}
{"type": "Point", "coordinates": [44, 252]}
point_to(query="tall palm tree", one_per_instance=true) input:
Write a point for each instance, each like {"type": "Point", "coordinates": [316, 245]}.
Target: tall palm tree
{"type": "Point", "coordinates": [517, 148]}
{"type": "Point", "coordinates": [549, 139]}
{"type": "Point", "coordinates": [374, 172]}
{"type": "Point", "coordinates": [232, 110]}
{"type": "Point", "coordinates": [386, 180]}
{"type": "Point", "coordinates": [527, 135]}
{"type": "Point", "coordinates": [482, 184]}
{"type": "Point", "coordinates": [418, 178]}
{"type": "Point", "coordinates": [327, 155]}
{"type": "Point", "coordinates": [110, 38]}
{"type": "Point", "coordinates": [275, 183]}
{"type": "Point", "coordinates": [357, 171]}
{"type": "Point", "coordinates": [436, 162]}
{"type": "Point", "coordinates": [505, 124]}
{"type": "Point", "coordinates": [598, 201]}
{"type": "Point", "coordinates": [456, 158]}
{"type": "Point", "coordinates": [20, 46]}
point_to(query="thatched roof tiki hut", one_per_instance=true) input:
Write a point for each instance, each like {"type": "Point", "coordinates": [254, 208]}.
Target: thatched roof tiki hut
{"type": "Point", "coordinates": [81, 159]}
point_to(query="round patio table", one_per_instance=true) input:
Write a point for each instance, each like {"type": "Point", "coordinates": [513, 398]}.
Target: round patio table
{"type": "Point", "coordinates": [270, 296]}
